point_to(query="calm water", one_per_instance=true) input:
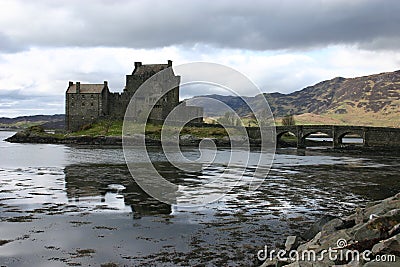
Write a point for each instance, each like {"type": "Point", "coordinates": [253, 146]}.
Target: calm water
{"type": "Point", "coordinates": [72, 206]}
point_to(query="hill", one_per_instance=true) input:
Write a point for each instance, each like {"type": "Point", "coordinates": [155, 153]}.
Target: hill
{"type": "Point", "coordinates": [47, 121]}
{"type": "Point", "coordinates": [369, 100]}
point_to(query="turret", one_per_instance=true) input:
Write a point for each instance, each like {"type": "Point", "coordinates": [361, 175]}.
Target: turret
{"type": "Point", "coordinates": [138, 64]}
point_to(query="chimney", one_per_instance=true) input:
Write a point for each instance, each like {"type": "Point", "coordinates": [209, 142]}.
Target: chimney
{"type": "Point", "coordinates": [70, 84]}
{"type": "Point", "coordinates": [105, 84]}
{"type": "Point", "coordinates": [138, 64]}
{"type": "Point", "coordinates": [169, 63]}
{"type": "Point", "coordinates": [78, 87]}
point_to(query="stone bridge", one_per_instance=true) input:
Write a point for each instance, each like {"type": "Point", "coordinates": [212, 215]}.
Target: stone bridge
{"type": "Point", "coordinates": [372, 136]}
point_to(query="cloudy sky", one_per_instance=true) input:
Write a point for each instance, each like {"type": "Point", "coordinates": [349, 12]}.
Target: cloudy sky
{"type": "Point", "coordinates": [281, 45]}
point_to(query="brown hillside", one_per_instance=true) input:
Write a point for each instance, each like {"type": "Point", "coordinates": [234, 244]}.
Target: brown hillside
{"type": "Point", "coordinates": [369, 100]}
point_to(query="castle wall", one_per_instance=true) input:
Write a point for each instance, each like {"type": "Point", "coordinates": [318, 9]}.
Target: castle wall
{"type": "Point", "coordinates": [187, 113]}
{"type": "Point", "coordinates": [83, 109]}
{"type": "Point", "coordinates": [117, 104]}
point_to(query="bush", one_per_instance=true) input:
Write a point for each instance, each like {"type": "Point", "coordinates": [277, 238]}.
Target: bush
{"type": "Point", "coordinates": [36, 129]}
{"type": "Point", "coordinates": [86, 127]}
{"type": "Point", "coordinates": [288, 120]}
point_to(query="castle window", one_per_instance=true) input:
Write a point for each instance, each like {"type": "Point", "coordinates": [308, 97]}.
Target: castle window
{"type": "Point", "coordinates": [92, 96]}
{"type": "Point", "coordinates": [83, 104]}
{"type": "Point", "coordinates": [83, 96]}
{"type": "Point", "coordinates": [72, 104]}
{"type": "Point", "coordinates": [91, 104]}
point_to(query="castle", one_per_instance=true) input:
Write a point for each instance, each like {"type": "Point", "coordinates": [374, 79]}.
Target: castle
{"type": "Point", "coordinates": [87, 103]}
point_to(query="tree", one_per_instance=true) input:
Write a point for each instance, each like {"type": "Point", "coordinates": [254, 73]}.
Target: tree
{"type": "Point", "coordinates": [265, 118]}
{"type": "Point", "coordinates": [288, 120]}
{"type": "Point", "coordinates": [228, 119]}
{"type": "Point", "coordinates": [253, 119]}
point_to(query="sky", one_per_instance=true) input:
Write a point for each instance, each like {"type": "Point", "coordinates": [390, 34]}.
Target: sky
{"type": "Point", "coordinates": [282, 46]}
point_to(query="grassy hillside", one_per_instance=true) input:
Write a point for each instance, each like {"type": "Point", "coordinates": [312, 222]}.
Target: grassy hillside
{"type": "Point", "coordinates": [48, 121]}
{"type": "Point", "coordinates": [372, 100]}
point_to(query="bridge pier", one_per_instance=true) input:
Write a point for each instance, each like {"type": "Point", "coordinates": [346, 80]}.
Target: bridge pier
{"type": "Point", "coordinates": [365, 137]}
{"type": "Point", "coordinates": [301, 141]}
{"type": "Point", "coordinates": [335, 137]}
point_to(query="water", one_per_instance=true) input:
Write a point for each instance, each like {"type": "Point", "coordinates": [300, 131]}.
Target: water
{"type": "Point", "coordinates": [345, 140]}
{"type": "Point", "coordinates": [72, 206]}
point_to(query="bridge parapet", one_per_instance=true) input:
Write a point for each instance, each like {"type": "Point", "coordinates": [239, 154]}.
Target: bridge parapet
{"type": "Point", "coordinates": [372, 136]}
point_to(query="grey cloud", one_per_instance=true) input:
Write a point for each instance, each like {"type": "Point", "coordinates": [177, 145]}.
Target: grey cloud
{"type": "Point", "coordinates": [7, 45]}
{"type": "Point", "coordinates": [254, 25]}
{"type": "Point", "coordinates": [16, 102]}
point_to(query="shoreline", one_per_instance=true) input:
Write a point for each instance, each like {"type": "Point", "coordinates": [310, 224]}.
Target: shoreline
{"type": "Point", "coordinates": [187, 140]}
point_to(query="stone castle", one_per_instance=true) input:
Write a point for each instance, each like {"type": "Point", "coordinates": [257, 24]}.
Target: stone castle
{"type": "Point", "coordinates": [87, 103]}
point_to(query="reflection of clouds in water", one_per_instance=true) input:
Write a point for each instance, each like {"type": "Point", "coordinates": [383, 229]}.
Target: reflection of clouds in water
{"type": "Point", "coordinates": [116, 201]}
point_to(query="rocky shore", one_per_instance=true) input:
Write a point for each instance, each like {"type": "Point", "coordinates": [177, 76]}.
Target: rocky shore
{"type": "Point", "coordinates": [43, 138]}
{"type": "Point", "coordinates": [369, 237]}
{"type": "Point", "coordinates": [40, 137]}
{"type": "Point", "coordinates": [37, 135]}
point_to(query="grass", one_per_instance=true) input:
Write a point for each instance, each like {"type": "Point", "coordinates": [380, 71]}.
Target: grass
{"type": "Point", "coordinates": [106, 128]}
{"type": "Point", "coordinates": [114, 128]}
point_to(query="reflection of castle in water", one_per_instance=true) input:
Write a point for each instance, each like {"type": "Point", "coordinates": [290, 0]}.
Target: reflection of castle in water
{"type": "Point", "coordinates": [86, 181]}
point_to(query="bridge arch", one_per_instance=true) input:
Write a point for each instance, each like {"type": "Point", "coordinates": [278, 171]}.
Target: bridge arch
{"type": "Point", "coordinates": [292, 138]}
{"type": "Point", "coordinates": [326, 132]}
{"type": "Point", "coordinates": [357, 136]}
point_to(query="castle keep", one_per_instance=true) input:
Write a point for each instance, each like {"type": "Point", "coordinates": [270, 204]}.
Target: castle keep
{"type": "Point", "coordinates": [87, 103]}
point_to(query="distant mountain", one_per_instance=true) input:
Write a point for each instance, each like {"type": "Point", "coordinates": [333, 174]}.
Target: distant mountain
{"type": "Point", "coordinates": [48, 121]}
{"type": "Point", "coordinates": [367, 100]}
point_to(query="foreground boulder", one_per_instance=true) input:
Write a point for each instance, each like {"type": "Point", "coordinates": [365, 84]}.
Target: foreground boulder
{"type": "Point", "coordinates": [369, 237]}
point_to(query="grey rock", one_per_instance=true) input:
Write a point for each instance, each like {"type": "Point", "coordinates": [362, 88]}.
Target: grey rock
{"type": "Point", "coordinates": [292, 242]}
{"type": "Point", "coordinates": [353, 263]}
{"type": "Point", "coordinates": [332, 226]}
{"type": "Point", "coordinates": [310, 245]}
{"type": "Point", "coordinates": [331, 240]}
{"type": "Point", "coordinates": [317, 227]}
{"type": "Point", "coordinates": [389, 246]}
{"type": "Point", "coordinates": [274, 263]}
{"type": "Point", "coordinates": [365, 232]}
{"type": "Point", "coordinates": [395, 230]}
{"type": "Point", "coordinates": [359, 216]}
